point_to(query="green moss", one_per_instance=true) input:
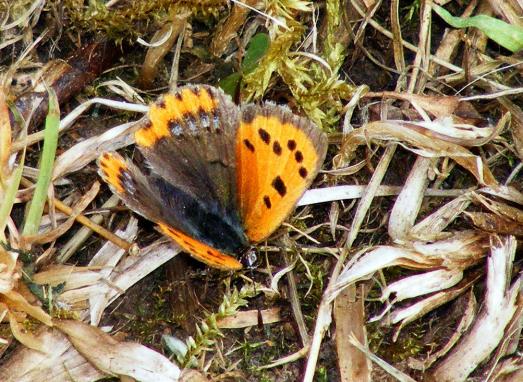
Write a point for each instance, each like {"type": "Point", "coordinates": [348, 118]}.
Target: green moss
{"type": "Point", "coordinates": [207, 330]}
{"type": "Point", "coordinates": [314, 81]}
{"type": "Point", "coordinates": [131, 19]}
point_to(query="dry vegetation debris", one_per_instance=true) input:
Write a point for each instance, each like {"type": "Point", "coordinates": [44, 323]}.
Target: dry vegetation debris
{"type": "Point", "coordinates": [402, 263]}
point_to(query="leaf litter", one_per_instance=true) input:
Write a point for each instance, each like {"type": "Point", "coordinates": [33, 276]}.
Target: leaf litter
{"type": "Point", "coordinates": [407, 245]}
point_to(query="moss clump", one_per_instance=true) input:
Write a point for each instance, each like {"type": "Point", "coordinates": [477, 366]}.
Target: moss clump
{"type": "Point", "coordinates": [314, 80]}
{"type": "Point", "coordinates": [131, 19]}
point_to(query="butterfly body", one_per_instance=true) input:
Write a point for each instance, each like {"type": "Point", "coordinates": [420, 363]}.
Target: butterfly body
{"type": "Point", "coordinates": [221, 176]}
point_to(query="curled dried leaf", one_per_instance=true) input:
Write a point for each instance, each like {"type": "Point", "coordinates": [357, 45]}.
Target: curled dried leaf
{"type": "Point", "coordinates": [116, 357]}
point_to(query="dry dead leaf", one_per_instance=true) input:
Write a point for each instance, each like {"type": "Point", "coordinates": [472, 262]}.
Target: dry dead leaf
{"type": "Point", "coordinates": [495, 224]}
{"type": "Point", "coordinates": [60, 363]}
{"type": "Point", "coordinates": [421, 140]}
{"type": "Point", "coordinates": [250, 318]}
{"type": "Point", "coordinates": [118, 358]}
{"type": "Point", "coordinates": [488, 330]}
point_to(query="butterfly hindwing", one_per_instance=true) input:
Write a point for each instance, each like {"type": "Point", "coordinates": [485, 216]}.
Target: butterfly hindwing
{"type": "Point", "coordinates": [278, 155]}
{"type": "Point", "coordinates": [173, 210]}
{"type": "Point", "coordinates": [204, 253]}
{"type": "Point", "coordinates": [127, 181]}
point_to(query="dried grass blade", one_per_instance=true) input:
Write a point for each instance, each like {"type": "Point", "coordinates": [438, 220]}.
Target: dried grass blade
{"type": "Point", "coordinates": [421, 284]}
{"type": "Point", "coordinates": [426, 143]}
{"type": "Point", "coordinates": [87, 222]}
{"type": "Point", "coordinates": [107, 258]}
{"type": "Point", "coordinates": [464, 324]}
{"type": "Point", "coordinates": [379, 258]}
{"type": "Point", "coordinates": [408, 203]}
{"type": "Point", "coordinates": [80, 236]}
{"type": "Point", "coordinates": [352, 191]}
{"type": "Point", "coordinates": [352, 363]}
{"type": "Point", "coordinates": [489, 329]}
{"type": "Point", "coordinates": [431, 228]}
{"type": "Point", "coordinates": [9, 197]}
{"type": "Point", "coordinates": [55, 233]}
{"type": "Point", "coordinates": [419, 309]}
{"type": "Point", "coordinates": [15, 300]}
{"type": "Point", "coordinates": [88, 150]}
{"type": "Point", "coordinates": [245, 319]}
{"type": "Point", "coordinates": [384, 365]}
{"type": "Point", "coordinates": [72, 276]}
{"type": "Point", "coordinates": [506, 192]}
{"type": "Point", "coordinates": [496, 224]}
{"type": "Point", "coordinates": [5, 138]}
{"type": "Point", "coordinates": [369, 194]}
{"type": "Point", "coordinates": [25, 338]}
{"type": "Point", "coordinates": [501, 209]}
{"type": "Point", "coordinates": [115, 280]}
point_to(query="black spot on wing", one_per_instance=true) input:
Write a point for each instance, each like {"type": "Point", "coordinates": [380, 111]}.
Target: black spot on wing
{"type": "Point", "coordinates": [303, 172]}
{"type": "Point", "coordinates": [249, 145]}
{"type": "Point", "coordinates": [276, 147]}
{"type": "Point", "coordinates": [298, 156]}
{"type": "Point", "coordinates": [267, 202]}
{"type": "Point", "coordinates": [264, 135]}
{"type": "Point", "coordinates": [196, 91]}
{"type": "Point", "coordinates": [291, 144]}
{"type": "Point", "coordinates": [147, 126]}
{"type": "Point", "coordinates": [279, 185]}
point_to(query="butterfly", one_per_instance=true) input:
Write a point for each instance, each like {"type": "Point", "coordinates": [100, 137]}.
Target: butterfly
{"type": "Point", "coordinates": [220, 176]}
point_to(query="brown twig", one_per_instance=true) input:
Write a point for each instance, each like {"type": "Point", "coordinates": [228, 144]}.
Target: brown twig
{"type": "Point", "coordinates": [66, 78]}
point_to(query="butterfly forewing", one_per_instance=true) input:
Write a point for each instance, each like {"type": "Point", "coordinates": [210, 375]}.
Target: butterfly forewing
{"type": "Point", "coordinates": [189, 141]}
{"type": "Point", "coordinates": [278, 155]}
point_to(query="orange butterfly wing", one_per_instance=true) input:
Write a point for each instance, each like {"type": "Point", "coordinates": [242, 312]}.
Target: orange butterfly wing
{"type": "Point", "coordinates": [200, 251]}
{"type": "Point", "coordinates": [221, 176]}
{"type": "Point", "coordinates": [131, 186]}
{"type": "Point", "coordinates": [278, 155]}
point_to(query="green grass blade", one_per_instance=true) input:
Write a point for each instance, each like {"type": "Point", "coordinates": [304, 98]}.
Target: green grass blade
{"type": "Point", "coordinates": [36, 208]}
{"type": "Point", "coordinates": [9, 198]}
{"type": "Point", "coordinates": [507, 35]}
{"type": "Point", "coordinates": [8, 194]}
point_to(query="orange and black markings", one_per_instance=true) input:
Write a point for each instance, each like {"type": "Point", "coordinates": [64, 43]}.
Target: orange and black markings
{"type": "Point", "coordinates": [114, 171]}
{"type": "Point", "coordinates": [168, 115]}
{"type": "Point", "coordinates": [249, 145]}
{"type": "Point", "coordinates": [201, 251]}
{"type": "Point", "coordinates": [279, 186]}
{"type": "Point", "coordinates": [274, 160]}
{"type": "Point", "coordinates": [276, 148]}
